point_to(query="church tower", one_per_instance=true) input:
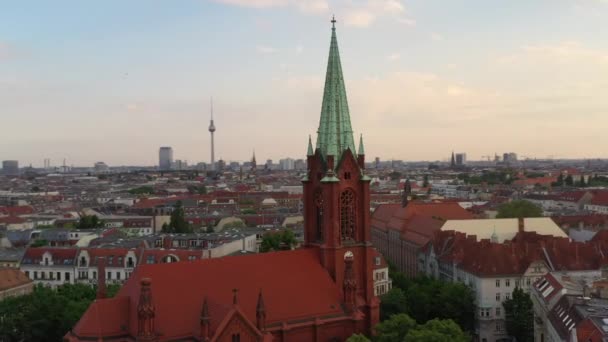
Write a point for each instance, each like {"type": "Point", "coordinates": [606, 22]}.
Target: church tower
{"type": "Point", "coordinates": [337, 197]}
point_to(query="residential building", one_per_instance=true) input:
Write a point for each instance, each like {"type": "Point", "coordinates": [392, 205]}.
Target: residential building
{"type": "Point", "coordinates": [399, 232]}
{"type": "Point", "coordinates": [494, 270]}
{"type": "Point", "coordinates": [14, 283]}
{"type": "Point", "coordinates": [50, 266]}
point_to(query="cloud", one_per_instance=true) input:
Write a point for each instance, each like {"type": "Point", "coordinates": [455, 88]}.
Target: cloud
{"type": "Point", "coordinates": [313, 6]}
{"type": "Point", "coordinates": [366, 13]}
{"type": "Point", "coordinates": [306, 6]}
{"type": "Point", "coordinates": [359, 18]}
{"type": "Point", "coordinates": [394, 56]}
{"type": "Point", "coordinates": [407, 21]}
{"type": "Point", "coordinates": [254, 3]}
{"type": "Point", "coordinates": [361, 13]}
{"type": "Point", "coordinates": [262, 49]}
{"type": "Point", "coordinates": [132, 107]}
{"type": "Point", "coordinates": [436, 36]}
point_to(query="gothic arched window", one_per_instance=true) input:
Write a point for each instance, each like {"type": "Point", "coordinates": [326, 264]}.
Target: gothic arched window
{"type": "Point", "coordinates": [347, 215]}
{"type": "Point", "coordinates": [319, 215]}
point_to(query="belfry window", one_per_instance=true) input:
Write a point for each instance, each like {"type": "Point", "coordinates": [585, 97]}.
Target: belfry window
{"type": "Point", "coordinates": [347, 215]}
{"type": "Point", "coordinates": [319, 215]}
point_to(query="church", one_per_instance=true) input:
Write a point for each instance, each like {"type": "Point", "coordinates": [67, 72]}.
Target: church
{"type": "Point", "coordinates": [321, 292]}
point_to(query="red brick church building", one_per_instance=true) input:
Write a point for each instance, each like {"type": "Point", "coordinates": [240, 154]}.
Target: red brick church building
{"type": "Point", "coordinates": [321, 292]}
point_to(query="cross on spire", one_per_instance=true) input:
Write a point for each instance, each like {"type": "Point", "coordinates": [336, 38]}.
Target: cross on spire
{"type": "Point", "coordinates": [333, 21]}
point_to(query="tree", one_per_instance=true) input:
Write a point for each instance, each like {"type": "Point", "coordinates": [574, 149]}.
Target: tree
{"type": "Point", "coordinates": [425, 182]}
{"type": "Point", "coordinates": [569, 180]}
{"type": "Point", "coordinates": [392, 303]}
{"type": "Point", "coordinates": [178, 223]}
{"type": "Point", "coordinates": [395, 175]}
{"type": "Point", "coordinates": [560, 180]}
{"type": "Point", "coordinates": [278, 241]}
{"type": "Point", "coordinates": [437, 330]}
{"type": "Point", "coordinates": [358, 338]}
{"type": "Point", "coordinates": [89, 221]}
{"type": "Point", "coordinates": [582, 183]}
{"type": "Point", "coordinates": [519, 209]}
{"type": "Point", "coordinates": [394, 328]}
{"type": "Point", "coordinates": [142, 190]}
{"type": "Point", "coordinates": [46, 314]}
{"type": "Point", "coordinates": [519, 316]}
{"type": "Point", "coordinates": [39, 243]}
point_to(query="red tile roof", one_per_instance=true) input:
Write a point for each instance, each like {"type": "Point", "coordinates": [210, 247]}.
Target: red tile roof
{"type": "Point", "coordinates": [514, 257]}
{"type": "Point", "coordinates": [600, 198]}
{"type": "Point", "coordinates": [12, 220]}
{"type": "Point", "coordinates": [60, 256]}
{"type": "Point", "coordinates": [178, 291]}
{"type": "Point", "coordinates": [11, 278]}
{"type": "Point", "coordinates": [17, 210]}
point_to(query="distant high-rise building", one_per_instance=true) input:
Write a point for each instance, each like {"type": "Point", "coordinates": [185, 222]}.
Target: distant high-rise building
{"type": "Point", "coordinates": [101, 167]}
{"type": "Point", "coordinates": [509, 157]}
{"type": "Point", "coordinates": [300, 164]}
{"type": "Point", "coordinates": [377, 162]}
{"type": "Point", "coordinates": [221, 165]}
{"type": "Point", "coordinates": [461, 159]}
{"type": "Point", "coordinates": [10, 167]}
{"type": "Point", "coordinates": [212, 131]}
{"type": "Point", "coordinates": [180, 164]}
{"type": "Point", "coordinates": [165, 158]}
{"type": "Point", "coordinates": [268, 165]}
{"type": "Point", "coordinates": [287, 164]}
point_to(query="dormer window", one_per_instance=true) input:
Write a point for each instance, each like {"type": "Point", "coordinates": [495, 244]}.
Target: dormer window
{"type": "Point", "coordinates": [346, 175]}
{"type": "Point", "coordinates": [83, 262]}
{"type": "Point", "coordinates": [46, 261]}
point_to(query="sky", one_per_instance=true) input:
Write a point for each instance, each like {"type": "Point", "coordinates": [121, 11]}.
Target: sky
{"type": "Point", "coordinates": [114, 80]}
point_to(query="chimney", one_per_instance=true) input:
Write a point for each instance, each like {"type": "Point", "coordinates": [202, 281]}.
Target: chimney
{"type": "Point", "coordinates": [101, 278]}
{"type": "Point", "coordinates": [520, 224]}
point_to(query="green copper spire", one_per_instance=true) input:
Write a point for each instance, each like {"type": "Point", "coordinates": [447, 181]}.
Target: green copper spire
{"type": "Point", "coordinates": [361, 148]}
{"type": "Point", "coordinates": [310, 150]}
{"type": "Point", "coordinates": [335, 133]}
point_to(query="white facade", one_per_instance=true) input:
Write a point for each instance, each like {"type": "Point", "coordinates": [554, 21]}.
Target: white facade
{"type": "Point", "coordinates": [382, 283]}
{"type": "Point", "coordinates": [596, 208]}
{"type": "Point", "coordinates": [48, 273]}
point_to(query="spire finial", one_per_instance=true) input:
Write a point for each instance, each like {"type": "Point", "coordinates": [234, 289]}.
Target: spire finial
{"type": "Point", "coordinates": [333, 22]}
{"type": "Point", "coordinates": [310, 151]}
{"type": "Point", "coordinates": [211, 108]}
{"type": "Point", "coordinates": [361, 151]}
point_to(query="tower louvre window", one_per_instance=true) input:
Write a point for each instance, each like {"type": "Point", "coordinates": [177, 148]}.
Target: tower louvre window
{"type": "Point", "coordinates": [319, 215]}
{"type": "Point", "coordinates": [347, 215]}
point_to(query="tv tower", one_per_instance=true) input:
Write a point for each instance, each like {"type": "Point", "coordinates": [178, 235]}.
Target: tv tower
{"type": "Point", "coordinates": [211, 130]}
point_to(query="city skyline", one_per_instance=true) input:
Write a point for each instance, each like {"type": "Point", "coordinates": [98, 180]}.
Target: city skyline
{"type": "Point", "coordinates": [441, 75]}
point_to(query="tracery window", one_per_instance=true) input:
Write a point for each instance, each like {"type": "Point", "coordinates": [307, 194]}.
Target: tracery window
{"type": "Point", "coordinates": [319, 214]}
{"type": "Point", "coordinates": [347, 215]}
